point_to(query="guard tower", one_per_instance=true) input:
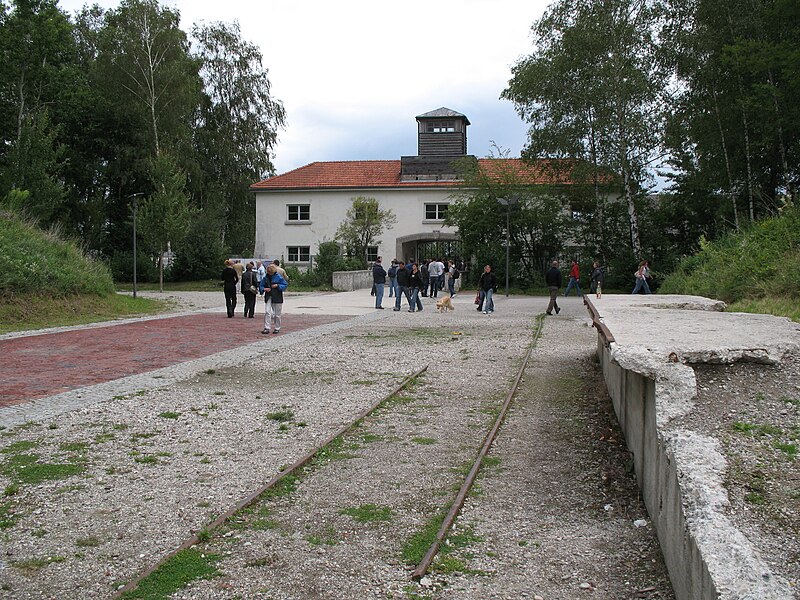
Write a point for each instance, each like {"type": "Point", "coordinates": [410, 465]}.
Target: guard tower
{"type": "Point", "coordinates": [441, 139]}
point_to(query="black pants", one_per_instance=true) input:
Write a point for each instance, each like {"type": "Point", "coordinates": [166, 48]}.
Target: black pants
{"type": "Point", "coordinates": [249, 304]}
{"type": "Point", "coordinates": [230, 300]}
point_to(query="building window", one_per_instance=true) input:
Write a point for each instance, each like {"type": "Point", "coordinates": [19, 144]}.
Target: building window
{"type": "Point", "coordinates": [299, 212]}
{"type": "Point", "coordinates": [372, 253]}
{"type": "Point", "coordinates": [435, 212]}
{"type": "Point", "coordinates": [298, 254]}
{"type": "Point", "coordinates": [441, 127]}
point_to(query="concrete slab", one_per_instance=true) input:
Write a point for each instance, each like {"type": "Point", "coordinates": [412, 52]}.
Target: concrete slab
{"type": "Point", "coordinates": [646, 347]}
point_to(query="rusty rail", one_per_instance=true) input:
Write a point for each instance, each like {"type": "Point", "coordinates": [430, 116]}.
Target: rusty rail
{"type": "Point", "coordinates": [597, 321]}
{"type": "Point", "coordinates": [252, 497]}
{"type": "Point", "coordinates": [458, 502]}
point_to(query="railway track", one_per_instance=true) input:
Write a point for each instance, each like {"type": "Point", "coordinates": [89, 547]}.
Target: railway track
{"type": "Point", "coordinates": [447, 470]}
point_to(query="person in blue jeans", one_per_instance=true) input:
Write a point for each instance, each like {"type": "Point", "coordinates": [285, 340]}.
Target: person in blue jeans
{"type": "Point", "coordinates": [574, 280]}
{"type": "Point", "coordinates": [403, 275]}
{"type": "Point", "coordinates": [488, 286]}
{"type": "Point", "coordinates": [379, 281]}
{"type": "Point", "coordinates": [642, 273]}
{"type": "Point", "coordinates": [416, 284]}
{"type": "Point", "coordinates": [392, 275]}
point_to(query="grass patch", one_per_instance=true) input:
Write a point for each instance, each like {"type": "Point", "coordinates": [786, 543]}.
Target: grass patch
{"type": "Point", "coordinates": [425, 441]}
{"type": "Point", "coordinates": [19, 447]}
{"type": "Point", "coordinates": [88, 542]}
{"type": "Point", "coordinates": [21, 313]}
{"type": "Point", "coordinates": [26, 468]}
{"type": "Point", "coordinates": [790, 449]}
{"type": "Point", "coordinates": [781, 307]}
{"type": "Point", "coordinates": [175, 574]}
{"type": "Point", "coordinates": [368, 513]}
{"type": "Point", "coordinates": [32, 565]}
{"type": "Point", "coordinates": [281, 415]}
{"type": "Point", "coordinates": [8, 516]}
{"type": "Point", "coordinates": [169, 415]}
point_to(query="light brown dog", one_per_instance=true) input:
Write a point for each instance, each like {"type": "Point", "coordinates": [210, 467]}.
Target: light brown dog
{"type": "Point", "coordinates": [444, 304]}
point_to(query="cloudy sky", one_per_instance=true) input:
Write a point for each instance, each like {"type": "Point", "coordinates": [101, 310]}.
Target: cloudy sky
{"type": "Point", "coordinates": [353, 74]}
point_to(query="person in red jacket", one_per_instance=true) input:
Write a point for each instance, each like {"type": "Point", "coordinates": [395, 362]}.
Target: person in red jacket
{"type": "Point", "coordinates": [574, 280]}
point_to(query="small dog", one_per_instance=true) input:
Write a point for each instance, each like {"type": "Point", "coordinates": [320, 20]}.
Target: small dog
{"type": "Point", "coordinates": [444, 304]}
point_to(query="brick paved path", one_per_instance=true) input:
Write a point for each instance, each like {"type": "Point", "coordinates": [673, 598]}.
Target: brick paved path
{"type": "Point", "coordinates": [42, 365]}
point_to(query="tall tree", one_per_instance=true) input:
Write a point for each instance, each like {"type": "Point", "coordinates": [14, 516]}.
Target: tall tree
{"type": "Point", "coordinates": [593, 89]}
{"type": "Point", "coordinates": [237, 127]}
{"type": "Point", "coordinates": [145, 56]}
{"type": "Point", "coordinates": [364, 222]}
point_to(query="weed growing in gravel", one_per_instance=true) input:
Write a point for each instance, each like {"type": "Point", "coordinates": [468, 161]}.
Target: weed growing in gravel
{"type": "Point", "coordinates": [181, 569]}
{"type": "Point", "coordinates": [283, 415]}
{"type": "Point", "coordinates": [328, 537]}
{"type": "Point", "coordinates": [790, 449]}
{"type": "Point", "coordinates": [425, 441]}
{"type": "Point", "coordinates": [26, 468]}
{"type": "Point", "coordinates": [368, 513]}
{"type": "Point", "coordinates": [363, 382]}
{"type": "Point", "coordinates": [11, 490]}
{"type": "Point", "coordinates": [102, 438]}
{"type": "Point", "coordinates": [120, 427]}
{"type": "Point", "coordinates": [8, 516]}
{"type": "Point", "coordinates": [792, 401]}
{"type": "Point", "coordinates": [88, 542]}
{"type": "Point", "coordinates": [19, 447]}
{"type": "Point", "coordinates": [209, 371]}
{"type": "Point", "coordinates": [169, 415]}
{"type": "Point", "coordinates": [264, 561]}
{"type": "Point", "coordinates": [32, 565]}
{"type": "Point", "coordinates": [74, 446]}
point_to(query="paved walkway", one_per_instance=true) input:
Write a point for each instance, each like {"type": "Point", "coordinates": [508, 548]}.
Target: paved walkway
{"type": "Point", "coordinates": [43, 365]}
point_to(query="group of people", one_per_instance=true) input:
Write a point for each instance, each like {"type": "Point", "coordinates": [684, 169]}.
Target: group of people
{"type": "Point", "coordinates": [268, 280]}
{"type": "Point", "coordinates": [596, 282]}
{"type": "Point", "coordinates": [413, 281]}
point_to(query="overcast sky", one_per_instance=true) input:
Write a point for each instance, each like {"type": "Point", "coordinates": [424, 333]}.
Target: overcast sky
{"type": "Point", "coordinates": [353, 74]}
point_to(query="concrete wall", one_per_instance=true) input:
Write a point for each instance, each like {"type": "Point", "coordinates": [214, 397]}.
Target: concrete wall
{"type": "Point", "coordinates": [634, 399]}
{"type": "Point", "coordinates": [347, 281]}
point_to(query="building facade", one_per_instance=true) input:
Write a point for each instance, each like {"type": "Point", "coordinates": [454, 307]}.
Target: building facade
{"type": "Point", "coordinates": [298, 210]}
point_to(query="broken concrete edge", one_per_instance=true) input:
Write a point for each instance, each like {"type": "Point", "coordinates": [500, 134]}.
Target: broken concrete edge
{"type": "Point", "coordinates": [681, 472]}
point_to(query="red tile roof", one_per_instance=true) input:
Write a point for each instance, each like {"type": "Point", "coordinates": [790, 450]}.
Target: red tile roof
{"type": "Point", "coordinates": [386, 174]}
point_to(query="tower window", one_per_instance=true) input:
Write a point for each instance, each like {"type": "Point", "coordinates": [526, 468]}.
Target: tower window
{"type": "Point", "coordinates": [441, 127]}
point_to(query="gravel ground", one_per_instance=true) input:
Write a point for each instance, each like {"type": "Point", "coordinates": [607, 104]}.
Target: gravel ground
{"type": "Point", "coordinates": [557, 513]}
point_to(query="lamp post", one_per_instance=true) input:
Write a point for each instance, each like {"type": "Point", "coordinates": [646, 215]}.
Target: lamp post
{"type": "Point", "coordinates": [507, 202]}
{"type": "Point", "coordinates": [134, 196]}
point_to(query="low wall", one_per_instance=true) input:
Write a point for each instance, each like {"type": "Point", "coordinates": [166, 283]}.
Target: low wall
{"type": "Point", "coordinates": [681, 476]}
{"type": "Point", "coordinates": [347, 281]}
{"type": "Point", "coordinates": [634, 399]}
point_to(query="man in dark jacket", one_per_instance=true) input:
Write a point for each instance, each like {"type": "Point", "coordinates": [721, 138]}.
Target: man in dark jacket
{"type": "Point", "coordinates": [553, 280]}
{"type": "Point", "coordinates": [403, 277]}
{"type": "Point", "coordinates": [379, 281]}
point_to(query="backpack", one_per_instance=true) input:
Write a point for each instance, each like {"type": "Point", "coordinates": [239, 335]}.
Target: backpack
{"type": "Point", "coordinates": [392, 271]}
{"type": "Point", "coordinates": [456, 274]}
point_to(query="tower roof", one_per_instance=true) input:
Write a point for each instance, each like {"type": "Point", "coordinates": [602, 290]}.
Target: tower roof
{"type": "Point", "coordinates": [443, 113]}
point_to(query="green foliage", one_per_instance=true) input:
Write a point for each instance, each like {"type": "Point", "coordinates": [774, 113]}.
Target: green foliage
{"type": "Point", "coordinates": [762, 261]}
{"type": "Point", "coordinates": [176, 573]}
{"type": "Point", "coordinates": [41, 263]}
{"type": "Point", "coordinates": [201, 253]}
{"type": "Point", "coordinates": [364, 222]}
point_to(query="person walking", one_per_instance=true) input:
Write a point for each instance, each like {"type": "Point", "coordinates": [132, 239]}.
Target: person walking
{"type": "Point", "coordinates": [417, 284]}
{"type": "Point", "coordinates": [553, 280]}
{"type": "Point", "coordinates": [423, 273]}
{"type": "Point", "coordinates": [229, 281]}
{"type": "Point", "coordinates": [280, 270]}
{"type": "Point", "coordinates": [403, 276]}
{"type": "Point", "coordinates": [435, 272]}
{"type": "Point", "coordinates": [273, 286]}
{"type": "Point", "coordinates": [451, 280]}
{"type": "Point", "coordinates": [641, 275]}
{"type": "Point", "coordinates": [379, 281]}
{"type": "Point", "coordinates": [249, 290]}
{"type": "Point", "coordinates": [574, 280]}
{"type": "Point", "coordinates": [597, 279]}
{"type": "Point", "coordinates": [392, 274]}
{"type": "Point", "coordinates": [487, 285]}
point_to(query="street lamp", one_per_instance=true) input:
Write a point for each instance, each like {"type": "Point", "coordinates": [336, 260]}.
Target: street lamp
{"type": "Point", "coordinates": [134, 196]}
{"type": "Point", "coordinates": [507, 202]}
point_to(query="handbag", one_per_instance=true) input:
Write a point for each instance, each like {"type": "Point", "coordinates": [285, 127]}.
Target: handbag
{"type": "Point", "coordinates": [477, 297]}
{"type": "Point", "coordinates": [253, 289]}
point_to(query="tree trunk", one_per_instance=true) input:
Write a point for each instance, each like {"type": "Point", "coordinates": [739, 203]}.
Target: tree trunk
{"type": "Point", "coordinates": [731, 193]}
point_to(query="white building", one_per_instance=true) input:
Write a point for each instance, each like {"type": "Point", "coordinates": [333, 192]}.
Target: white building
{"type": "Point", "coordinates": [298, 210]}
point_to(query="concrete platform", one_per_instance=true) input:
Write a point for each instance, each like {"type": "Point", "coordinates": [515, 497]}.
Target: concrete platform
{"type": "Point", "coordinates": [646, 345]}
